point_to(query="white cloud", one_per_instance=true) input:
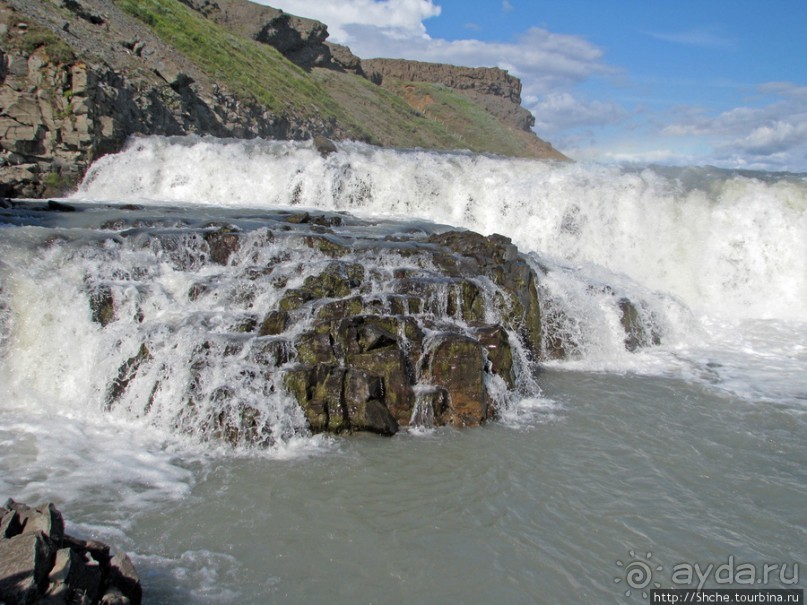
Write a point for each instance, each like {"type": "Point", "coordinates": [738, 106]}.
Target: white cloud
{"type": "Point", "coordinates": [770, 135]}
{"type": "Point", "coordinates": [773, 138]}
{"type": "Point", "coordinates": [398, 17]}
{"type": "Point", "coordinates": [767, 129]}
{"type": "Point", "coordinates": [558, 111]}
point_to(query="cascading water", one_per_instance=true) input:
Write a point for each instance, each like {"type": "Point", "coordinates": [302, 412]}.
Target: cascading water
{"type": "Point", "coordinates": [705, 250]}
{"type": "Point", "coordinates": [725, 243]}
{"type": "Point", "coordinates": [193, 326]}
{"type": "Point", "coordinates": [662, 411]}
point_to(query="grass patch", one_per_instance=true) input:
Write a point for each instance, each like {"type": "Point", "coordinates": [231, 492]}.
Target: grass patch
{"type": "Point", "coordinates": [383, 113]}
{"type": "Point", "coordinates": [242, 65]}
{"type": "Point", "coordinates": [36, 37]}
{"type": "Point", "coordinates": [472, 125]}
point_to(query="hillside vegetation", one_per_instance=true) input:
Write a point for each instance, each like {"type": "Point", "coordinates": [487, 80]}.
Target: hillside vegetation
{"type": "Point", "coordinates": [79, 78]}
{"type": "Point", "coordinates": [390, 116]}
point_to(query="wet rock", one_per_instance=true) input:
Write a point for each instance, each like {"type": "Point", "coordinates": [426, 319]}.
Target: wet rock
{"type": "Point", "coordinates": [24, 567]}
{"type": "Point", "coordinates": [275, 322]}
{"type": "Point", "coordinates": [324, 145]}
{"type": "Point", "coordinates": [431, 404]}
{"type": "Point", "coordinates": [497, 258]}
{"type": "Point", "coordinates": [102, 305]}
{"type": "Point", "coordinates": [328, 245]}
{"type": "Point", "coordinates": [637, 332]}
{"type": "Point", "coordinates": [45, 519]}
{"type": "Point", "coordinates": [60, 207]}
{"type": "Point", "coordinates": [126, 373]}
{"type": "Point", "coordinates": [337, 280]}
{"type": "Point", "coordinates": [124, 582]}
{"type": "Point", "coordinates": [382, 335]}
{"type": "Point", "coordinates": [340, 309]}
{"type": "Point", "coordinates": [41, 564]}
{"type": "Point", "coordinates": [458, 366]}
{"type": "Point", "coordinates": [319, 390]}
{"type": "Point", "coordinates": [390, 364]}
{"type": "Point", "coordinates": [496, 343]}
{"type": "Point", "coordinates": [316, 346]}
{"type": "Point", "coordinates": [223, 243]}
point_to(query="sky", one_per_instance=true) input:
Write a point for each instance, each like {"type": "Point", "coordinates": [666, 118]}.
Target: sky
{"type": "Point", "coordinates": [682, 82]}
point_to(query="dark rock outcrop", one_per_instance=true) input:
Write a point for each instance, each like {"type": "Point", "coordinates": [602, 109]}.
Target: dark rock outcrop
{"type": "Point", "coordinates": [39, 563]}
{"type": "Point", "coordinates": [62, 106]}
{"type": "Point", "coordinates": [300, 321]}
{"type": "Point", "coordinates": [300, 40]}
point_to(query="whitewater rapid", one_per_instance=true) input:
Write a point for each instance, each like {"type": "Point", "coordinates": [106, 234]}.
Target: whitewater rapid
{"type": "Point", "coordinates": [689, 446]}
{"type": "Point", "coordinates": [729, 245]}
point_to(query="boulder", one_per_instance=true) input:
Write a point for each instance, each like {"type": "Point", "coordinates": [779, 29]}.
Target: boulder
{"type": "Point", "coordinates": [364, 363]}
{"type": "Point", "coordinates": [324, 145]}
{"type": "Point", "coordinates": [25, 561]}
{"type": "Point", "coordinates": [39, 563]}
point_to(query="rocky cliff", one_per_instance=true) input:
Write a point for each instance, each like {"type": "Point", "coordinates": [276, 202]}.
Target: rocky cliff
{"type": "Point", "coordinates": [491, 87]}
{"type": "Point", "coordinates": [78, 77]}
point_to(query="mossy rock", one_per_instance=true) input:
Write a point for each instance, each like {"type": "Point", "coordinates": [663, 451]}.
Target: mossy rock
{"type": "Point", "coordinates": [340, 309]}
{"type": "Point", "coordinates": [275, 322]}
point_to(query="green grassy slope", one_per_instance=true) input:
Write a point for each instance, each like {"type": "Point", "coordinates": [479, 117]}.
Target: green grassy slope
{"type": "Point", "coordinates": [399, 115]}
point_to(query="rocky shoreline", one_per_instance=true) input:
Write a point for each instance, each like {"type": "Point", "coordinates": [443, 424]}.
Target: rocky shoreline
{"type": "Point", "coordinates": [42, 565]}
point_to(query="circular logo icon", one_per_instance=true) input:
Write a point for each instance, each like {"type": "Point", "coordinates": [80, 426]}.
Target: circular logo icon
{"type": "Point", "coordinates": [638, 573]}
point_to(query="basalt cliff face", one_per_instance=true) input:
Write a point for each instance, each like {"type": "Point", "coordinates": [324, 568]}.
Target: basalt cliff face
{"type": "Point", "coordinates": [78, 77]}
{"type": "Point", "coordinates": [491, 87]}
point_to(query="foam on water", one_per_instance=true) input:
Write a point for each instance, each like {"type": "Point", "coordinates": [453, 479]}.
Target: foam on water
{"type": "Point", "coordinates": [699, 247]}
{"type": "Point", "coordinates": [724, 242]}
{"type": "Point", "coordinates": [713, 262]}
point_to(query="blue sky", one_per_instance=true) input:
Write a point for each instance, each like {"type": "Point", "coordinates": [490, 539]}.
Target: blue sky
{"type": "Point", "coordinates": [720, 82]}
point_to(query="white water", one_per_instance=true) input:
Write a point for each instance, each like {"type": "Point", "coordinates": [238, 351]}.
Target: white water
{"type": "Point", "coordinates": [731, 247]}
{"type": "Point", "coordinates": [692, 448]}
{"type": "Point", "coordinates": [726, 244]}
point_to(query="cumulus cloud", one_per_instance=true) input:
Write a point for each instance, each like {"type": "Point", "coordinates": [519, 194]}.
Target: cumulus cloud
{"type": "Point", "coordinates": [773, 138]}
{"type": "Point", "coordinates": [783, 118]}
{"type": "Point", "coordinates": [772, 134]}
{"type": "Point", "coordinates": [400, 18]}
{"type": "Point", "coordinates": [542, 59]}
